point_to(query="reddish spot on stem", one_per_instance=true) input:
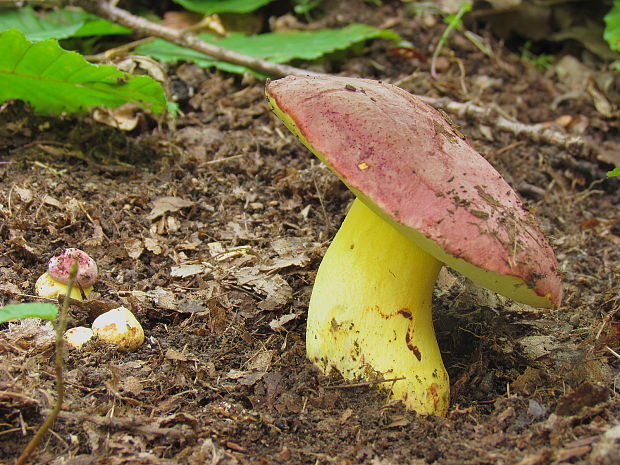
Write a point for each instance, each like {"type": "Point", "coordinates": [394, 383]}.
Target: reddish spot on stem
{"type": "Point", "coordinates": [434, 394]}
{"type": "Point", "coordinates": [413, 348]}
{"type": "Point", "coordinates": [406, 313]}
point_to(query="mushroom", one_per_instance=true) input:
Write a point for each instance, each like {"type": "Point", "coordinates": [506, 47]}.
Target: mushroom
{"type": "Point", "coordinates": [59, 267]}
{"type": "Point", "coordinates": [55, 280]}
{"type": "Point", "coordinates": [119, 327]}
{"type": "Point", "coordinates": [78, 336]}
{"type": "Point", "coordinates": [425, 197]}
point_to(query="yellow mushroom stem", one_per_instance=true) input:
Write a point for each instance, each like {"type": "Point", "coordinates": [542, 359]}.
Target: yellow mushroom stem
{"type": "Point", "coordinates": [370, 312]}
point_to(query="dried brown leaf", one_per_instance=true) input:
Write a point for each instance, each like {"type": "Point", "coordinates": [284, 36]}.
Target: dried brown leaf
{"type": "Point", "coordinates": [278, 323]}
{"type": "Point", "coordinates": [167, 204]}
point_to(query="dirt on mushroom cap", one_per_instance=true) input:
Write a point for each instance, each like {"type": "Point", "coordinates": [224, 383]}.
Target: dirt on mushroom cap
{"type": "Point", "coordinates": [59, 266]}
{"type": "Point", "coordinates": [403, 159]}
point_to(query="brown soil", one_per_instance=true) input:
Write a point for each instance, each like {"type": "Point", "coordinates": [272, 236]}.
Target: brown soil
{"type": "Point", "coordinates": [211, 230]}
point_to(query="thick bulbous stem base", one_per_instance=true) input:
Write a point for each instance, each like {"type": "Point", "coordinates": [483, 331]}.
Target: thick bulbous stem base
{"type": "Point", "coordinates": [370, 312]}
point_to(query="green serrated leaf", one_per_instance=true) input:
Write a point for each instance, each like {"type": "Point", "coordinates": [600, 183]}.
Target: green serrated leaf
{"type": "Point", "coordinates": [612, 27]}
{"type": "Point", "coordinates": [209, 7]}
{"type": "Point", "coordinates": [54, 80]}
{"type": "Point", "coordinates": [56, 24]}
{"type": "Point", "coordinates": [614, 172]}
{"type": "Point", "coordinates": [14, 312]}
{"type": "Point", "coordinates": [279, 47]}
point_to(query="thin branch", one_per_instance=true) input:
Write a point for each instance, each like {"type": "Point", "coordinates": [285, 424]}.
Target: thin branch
{"type": "Point", "coordinates": [617, 355]}
{"type": "Point", "coordinates": [186, 39]}
{"type": "Point", "coordinates": [362, 384]}
{"type": "Point", "coordinates": [535, 132]}
{"type": "Point", "coordinates": [139, 425]}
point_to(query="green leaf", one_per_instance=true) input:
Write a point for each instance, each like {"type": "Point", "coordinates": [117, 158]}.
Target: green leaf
{"type": "Point", "coordinates": [31, 310]}
{"type": "Point", "coordinates": [612, 27]}
{"type": "Point", "coordinates": [279, 47]}
{"type": "Point", "coordinates": [614, 172]}
{"type": "Point", "coordinates": [100, 27]}
{"type": "Point", "coordinates": [209, 7]}
{"type": "Point", "coordinates": [54, 80]}
{"type": "Point", "coordinates": [56, 24]}
{"type": "Point", "coordinates": [303, 7]}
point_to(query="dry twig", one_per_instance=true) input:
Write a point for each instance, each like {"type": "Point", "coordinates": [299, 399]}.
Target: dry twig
{"type": "Point", "coordinates": [185, 39]}
{"type": "Point", "coordinates": [143, 426]}
{"type": "Point", "coordinates": [535, 132]}
{"type": "Point", "coordinates": [362, 384]}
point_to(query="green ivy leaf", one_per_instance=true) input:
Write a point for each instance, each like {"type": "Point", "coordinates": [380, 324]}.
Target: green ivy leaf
{"type": "Point", "coordinates": [614, 172]}
{"type": "Point", "coordinates": [209, 7]}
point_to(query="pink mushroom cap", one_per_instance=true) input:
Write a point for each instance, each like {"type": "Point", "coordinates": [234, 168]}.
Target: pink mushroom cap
{"type": "Point", "coordinates": [408, 164]}
{"type": "Point", "coordinates": [59, 267]}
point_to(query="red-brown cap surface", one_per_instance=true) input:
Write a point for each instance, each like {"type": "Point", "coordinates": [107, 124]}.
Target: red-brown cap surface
{"type": "Point", "coordinates": [401, 157]}
{"type": "Point", "coordinates": [59, 267]}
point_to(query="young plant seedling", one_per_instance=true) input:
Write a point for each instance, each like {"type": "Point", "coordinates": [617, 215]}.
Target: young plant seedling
{"type": "Point", "coordinates": [60, 327]}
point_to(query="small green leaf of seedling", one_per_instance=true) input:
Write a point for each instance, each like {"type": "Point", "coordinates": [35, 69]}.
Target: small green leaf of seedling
{"type": "Point", "coordinates": [612, 30]}
{"type": "Point", "coordinates": [614, 172]}
{"type": "Point", "coordinates": [14, 312]}
{"type": "Point", "coordinates": [455, 21]}
{"type": "Point", "coordinates": [303, 7]}
{"type": "Point", "coordinates": [543, 61]}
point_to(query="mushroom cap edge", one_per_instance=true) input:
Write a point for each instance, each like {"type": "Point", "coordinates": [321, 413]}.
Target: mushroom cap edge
{"type": "Point", "coordinates": [389, 147]}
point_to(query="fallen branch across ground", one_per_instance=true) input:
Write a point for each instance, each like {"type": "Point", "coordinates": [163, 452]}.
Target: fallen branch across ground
{"type": "Point", "coordinates": [185, 39]}
{"type": "Point", "coordinates": [537, 132]}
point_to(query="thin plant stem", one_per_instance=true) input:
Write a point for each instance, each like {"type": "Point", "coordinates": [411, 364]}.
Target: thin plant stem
{"type": "Point", "coordinates": [61, 326]}
{"type": "Point", "coordinates": [453, 23]}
